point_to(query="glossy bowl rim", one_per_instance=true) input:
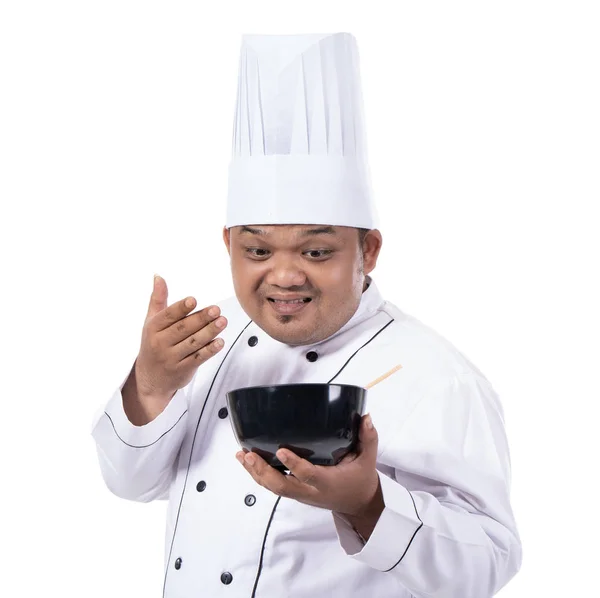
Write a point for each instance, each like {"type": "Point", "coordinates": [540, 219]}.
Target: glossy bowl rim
{"type": "Point", "coordinates": [281, 386]}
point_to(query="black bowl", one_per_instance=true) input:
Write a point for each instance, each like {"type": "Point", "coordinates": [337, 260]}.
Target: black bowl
{"type": "Point", "coordinates": [318, 422]}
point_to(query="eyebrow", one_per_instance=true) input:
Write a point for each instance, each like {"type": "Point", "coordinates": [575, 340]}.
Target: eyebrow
{"type": "Point", "coordinates": [322, 230]}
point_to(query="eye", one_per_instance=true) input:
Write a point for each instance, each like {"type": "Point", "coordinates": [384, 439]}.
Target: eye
{"type": "Point", "coordinates": [257, 253]}
{"type": "Point", "coordinates": [318, 254]}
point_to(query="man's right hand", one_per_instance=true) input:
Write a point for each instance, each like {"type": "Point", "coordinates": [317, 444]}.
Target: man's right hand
{"type": "Point", "coordinates": [174, 344]}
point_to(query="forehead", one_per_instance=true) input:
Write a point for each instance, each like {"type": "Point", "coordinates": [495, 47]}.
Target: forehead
{"type": "Point", "coordinates": [291, 230]}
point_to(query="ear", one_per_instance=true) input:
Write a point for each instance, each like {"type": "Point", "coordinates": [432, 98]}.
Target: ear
{"type": "Point", "coordinates": [371, 248]}
{"type": "Point", "coordinates": [227, 239]}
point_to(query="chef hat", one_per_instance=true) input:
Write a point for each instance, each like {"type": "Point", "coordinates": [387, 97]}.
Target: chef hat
{"type": "Point", "coordinates": [299, 151]}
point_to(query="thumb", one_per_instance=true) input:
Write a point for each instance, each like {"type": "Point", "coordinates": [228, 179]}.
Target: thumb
{"type": "Point", "coordinates": [368, 438]}
{"type": "Point", "coordinates": [158, 299]}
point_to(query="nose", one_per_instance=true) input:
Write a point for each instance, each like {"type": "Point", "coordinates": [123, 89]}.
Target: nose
{"type": "Point", "coordinates": [285, 272]}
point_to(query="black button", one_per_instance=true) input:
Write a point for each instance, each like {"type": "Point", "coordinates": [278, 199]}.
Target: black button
{"type": "Point", "coordinates": [253, 341]}
{"type": "Point", "coordinates": [226, 578]}
{"type": "Point", "coordinates": [250, 500]}
{"type": "Point", "coordinates": [201, 487]}
{"type": "Point", "coordinates": [178, 564]}
{"type": "Point", "coordinates": [312, 356]}
{"type": "Point", "coordinates": [223, 412]}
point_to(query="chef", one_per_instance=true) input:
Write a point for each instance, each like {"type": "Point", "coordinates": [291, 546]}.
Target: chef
{"type": "Point", "coordinates": [422, 507]}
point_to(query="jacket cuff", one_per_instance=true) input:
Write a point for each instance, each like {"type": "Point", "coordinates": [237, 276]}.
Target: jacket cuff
{"type": "Point", "coordinates": [397, 526]}
{"type": "Point", "coordinates": [148, 434]}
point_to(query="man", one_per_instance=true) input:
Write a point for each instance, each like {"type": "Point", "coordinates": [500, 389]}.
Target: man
{"type": "Point", "coordinates": [422, 507]}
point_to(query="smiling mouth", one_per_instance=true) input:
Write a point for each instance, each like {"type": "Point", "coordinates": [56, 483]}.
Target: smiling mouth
{"type": "Point", "coordinates": [288, 307]}
{"type": "Point", "coordinates": [289, 301]}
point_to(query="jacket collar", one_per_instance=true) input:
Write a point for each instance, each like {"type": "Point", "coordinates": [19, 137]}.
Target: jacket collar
{"type": "Point", "coordinates": [370, 303]}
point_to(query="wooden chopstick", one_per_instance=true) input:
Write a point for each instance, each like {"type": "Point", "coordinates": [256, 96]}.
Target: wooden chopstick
{"type": "Point", "coordinates": [383, 377]}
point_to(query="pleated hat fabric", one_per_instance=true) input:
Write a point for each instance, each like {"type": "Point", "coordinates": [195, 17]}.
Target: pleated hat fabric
{"type": "Point", "coordinates": [299, 152]}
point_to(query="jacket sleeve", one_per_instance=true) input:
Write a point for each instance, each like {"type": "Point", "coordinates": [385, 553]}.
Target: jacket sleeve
{"type": "Point", "coordinates": [447, 529]}
{"type": "Point", "coordinates": [138, 462]}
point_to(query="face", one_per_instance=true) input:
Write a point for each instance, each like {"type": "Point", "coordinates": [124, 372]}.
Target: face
{"type": "Point", "coordinates": [300, 283]}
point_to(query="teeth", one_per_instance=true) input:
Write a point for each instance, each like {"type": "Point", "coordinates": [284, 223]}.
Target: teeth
{"type": "Point", "coordinates": [289, 301]}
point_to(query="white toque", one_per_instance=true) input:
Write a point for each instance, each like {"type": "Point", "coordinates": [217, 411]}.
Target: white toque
{"type": "Point", "coordinates": [299, 152]}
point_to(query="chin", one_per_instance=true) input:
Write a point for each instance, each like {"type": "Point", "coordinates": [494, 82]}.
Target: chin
{"type": "Point", "coordinates": [289, 337]}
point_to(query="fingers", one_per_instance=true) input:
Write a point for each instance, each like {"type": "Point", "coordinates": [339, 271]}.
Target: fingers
{"type": "Point", "coordinates": [273, 480]}
{"type": "Point", "coordinates": [202, 354]}
{"type": "Point", "coordinates": [196, 342]}
{"type": "Point", "coordinates": [167, 316]}
{"type": "Point", "coordinates": [179, 320]}
{"type": "Point", "coordinates": [368, 439]}
{"type": "Point", "coordinates": [263, 474]}
{"type": "Point", "coordinates": [304, 471]}
{"type": "Point", "coordinates": [158, 297]}
{"type": "Point", "coordinates": [178, 323]}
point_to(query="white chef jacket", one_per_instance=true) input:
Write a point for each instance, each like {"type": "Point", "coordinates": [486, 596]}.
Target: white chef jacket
{"type": "Point", "coordinates": [447, 529]}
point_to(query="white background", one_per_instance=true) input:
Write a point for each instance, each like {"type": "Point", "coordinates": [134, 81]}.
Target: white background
{"type": "Point", "coordinates": [115, 134]}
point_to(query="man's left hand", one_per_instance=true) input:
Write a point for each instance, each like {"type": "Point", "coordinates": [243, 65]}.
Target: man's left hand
{"type": "Point", "coordinates": [350, 488]}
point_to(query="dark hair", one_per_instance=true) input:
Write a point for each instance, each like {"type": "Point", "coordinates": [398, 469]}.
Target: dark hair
{"type": "Point", "coordinates": [362, 233]}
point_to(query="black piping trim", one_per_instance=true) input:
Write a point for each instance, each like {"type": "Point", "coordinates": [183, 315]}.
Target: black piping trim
{"type": "Point", "coordinates": [262, 551]}
{"type": "Point", "coordinates": [275, 507]}
{"type": "Point", "coordinates": [143, 445]}
{"type": "Point", "coordinates": [413, 536]}
{"type": "Point", "coordinates": [357, 350]}
{"type": "Point", "coordinates": [192, 452]}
